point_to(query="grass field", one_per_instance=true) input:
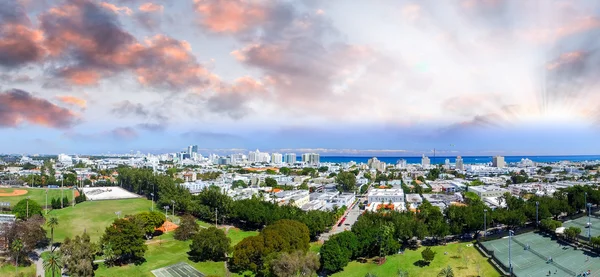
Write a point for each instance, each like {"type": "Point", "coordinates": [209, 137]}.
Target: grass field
{"type": "Point", "coordinates": [163, 251]}
{"type": "Point", "coordinates": [36, 194]}
{"type": "Point", "coordinates": [9, 270]}
{"type": "Point", "coordinates": [410, 258]}
{"type": "Point", "coordinates": [236, 235]}
{"type": "Point", "coordinates": [93, 216]}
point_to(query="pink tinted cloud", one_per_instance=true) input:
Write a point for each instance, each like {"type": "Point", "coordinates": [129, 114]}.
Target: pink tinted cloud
{"type": "Point", "coordinates": [116, 9]}
{"type": "Point", "coordinates": [72, 100]}
{"type": "Point", "coordinates": [551, 34]}
{"type": "Point", "coordinates": [565, 58]}
{"type": "Point", "coordinates": [18, 106]}
{"type": "Point", "coordinates": [151, 7]}
{"type": "Point", "coordinates": [159, 61]}
{"type": "Point", "coordinates": [230, 16]}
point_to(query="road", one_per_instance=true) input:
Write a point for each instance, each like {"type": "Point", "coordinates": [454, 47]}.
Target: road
{"type": "Point", "coordinates": [351, 218]}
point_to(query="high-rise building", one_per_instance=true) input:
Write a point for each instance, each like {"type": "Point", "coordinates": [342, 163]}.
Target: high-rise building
{"type": "Point", "coordinates": [425, 161]}
{"type": "Point", "coordinates": [194, 148]}
{"type": "Point", "coordinates": [459, 163]}
{"type": "Point", "coordinates": [311, 158]}
{"type": "Point", "coordinates": [498, 161]}
{"type": "Point", "coordinates": [253, 156]}
{"type": "Point", "coordinates": [290, 158]}
{"type": "Point", "coordinates": [401, 164]}
{"type": "Point", "coordinates": [276, 158]}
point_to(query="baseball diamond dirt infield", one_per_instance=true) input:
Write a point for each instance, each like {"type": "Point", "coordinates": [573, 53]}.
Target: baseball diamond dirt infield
{"type": "Point", "coordinates": [15, 192]}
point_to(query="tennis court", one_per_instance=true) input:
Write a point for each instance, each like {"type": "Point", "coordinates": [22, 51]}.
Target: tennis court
{"type": "Point", "coordinates": [582, 224]}
{"type": "Point", "coordinates": [534, 261]}
{"type": "Point", "coordinates": [177, 270]}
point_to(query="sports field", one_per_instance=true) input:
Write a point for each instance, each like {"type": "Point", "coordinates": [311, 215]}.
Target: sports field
{"type": "Point", "coordinates": [582, 224]}
{"type": "Point", "coordinates": [94, 216]}
{"type": "Point", "coordinates": [408, 261]}
{"type": "Point", "coordinates": [36, 194]}
{"type": "Point", "coordinates": [566, 261]}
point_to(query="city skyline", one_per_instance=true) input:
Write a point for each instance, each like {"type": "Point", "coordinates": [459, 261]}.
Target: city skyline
{"type": "Point", "coordinates": [467, 77]}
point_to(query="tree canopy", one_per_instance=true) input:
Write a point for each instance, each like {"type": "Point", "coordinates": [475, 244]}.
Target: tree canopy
{"type": "Point", "coordinates": [209, 244]}
{"type": "Point", "coordinates": [126, 241]}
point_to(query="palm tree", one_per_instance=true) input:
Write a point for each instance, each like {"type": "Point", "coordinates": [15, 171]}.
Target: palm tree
{"type": "Point", "coordinates": [52, 222]}
{"type": "Point", "coordinates": [53, 262]}
{"type": "Point", "coordinates": [446, 272]}
{"type": "Point", "coordinates": [16, 247]}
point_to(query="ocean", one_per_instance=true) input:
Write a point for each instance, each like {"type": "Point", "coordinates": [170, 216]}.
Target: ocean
{"type": "Point", "coordinates": [466, 159]}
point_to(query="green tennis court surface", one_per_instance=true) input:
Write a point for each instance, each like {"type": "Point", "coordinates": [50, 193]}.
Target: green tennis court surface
{"type": "Point", "coordinates": [581, 223]}
{"type": "Point", "coordinates": [177, 270]}
{"type": "Point", "coordinates": [566, 261]}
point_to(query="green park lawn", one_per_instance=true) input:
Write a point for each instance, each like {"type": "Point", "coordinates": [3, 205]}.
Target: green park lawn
{"type": "Point", "coordinates": [93, 216]}
{"type": "Point", "coordinates": [8, 270]}
{"type": "Point", "coordinates": [408, 260]}
{"type": "Point", "coordinates": [236, 235]}
{"type": "Point", "coordinates": [163, 251]}
{"type": "Point", "coordinates": [36, 194]}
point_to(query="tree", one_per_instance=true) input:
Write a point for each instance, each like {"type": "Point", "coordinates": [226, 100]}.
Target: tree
{"type": "Point", "coordinates": [270, 182]}
{"type": "Point", "coordinates": [337, 252]}
{"type": "Point", "coordinates": [209, 244]}
{"type": "Point", "coordinates": [27, 208]}
{"type": "Point", "coordinates": [29, 234]}
{"type": "Point", "coordinates": [572, 232]}
{"type": "Point", "coordinates": [127, 241]}
{"type": "Point", "coordinates": [428, 255]}
{"type": "Point", "coordinates": [285, 170]}
{"type": "Point", "coordinates": [346, 181]}
{"type": "Point", "coordinates": [53, 263]}
{"type": "Point", "coordinates": [297, 263]}
{"type": "Point", "coordinates": [187, 228]}
{"type": "Point", "coordinates": [255, 253]}
{"type": "Point", "coordinates": [78, 256]}
{"type": "Point", "coordinates": [238, 184]}
{"type": "Point", "coordinates": [446, 272]}
{"type": "Point", "coordinates": [52, 222]}
{"type": "Point", "coordinates": [16, 247]}
{"type": "Point", "coordinates": [323, 169]}
{"type": "Point", "coordinates": [148, 221]}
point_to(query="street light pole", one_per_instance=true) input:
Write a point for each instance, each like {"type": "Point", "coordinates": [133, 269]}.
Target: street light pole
{"type": "Point", "coordinates": [485, 223]}
{"type": "Point", "coordinates": [46, 201]}
{"type": "Point", "coordinates": [62, 184]}
{"type": "Point", "coordinates": [27, 206]}
{"type": "Point", "coordinates": [510, 234]}
{"type": "Point", "coordinates": [589, 206]}
{"type": "Point", "coordinates": [585, 200]}
{"type": "Point", "coordinates": [173, 201]}
{"type": "Point", "coordinates": [152, 201]}
{"type": "Point", "coordinates": [537, 205]}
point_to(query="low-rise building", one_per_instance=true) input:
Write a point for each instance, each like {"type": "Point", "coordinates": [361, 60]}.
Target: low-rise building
{"type": "Point", "coordinates": [385, 195]}
{"type": "Point", "coordinates": [488, 191]}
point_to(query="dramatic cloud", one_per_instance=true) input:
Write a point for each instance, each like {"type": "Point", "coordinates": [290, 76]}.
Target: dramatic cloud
{"type": "Point", "coordinates": [89, 44]}
{"type": "Point", "coordinates": [19, 43]}
{"type": "Point", "coordinates": [17, 107]}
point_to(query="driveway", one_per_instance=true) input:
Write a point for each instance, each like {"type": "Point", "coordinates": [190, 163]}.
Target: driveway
{"type": "Point", "coordinates": [351, 218]}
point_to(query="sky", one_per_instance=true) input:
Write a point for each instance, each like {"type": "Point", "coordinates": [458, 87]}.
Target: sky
{"type": "Point", "coordinates": [470, 77]}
